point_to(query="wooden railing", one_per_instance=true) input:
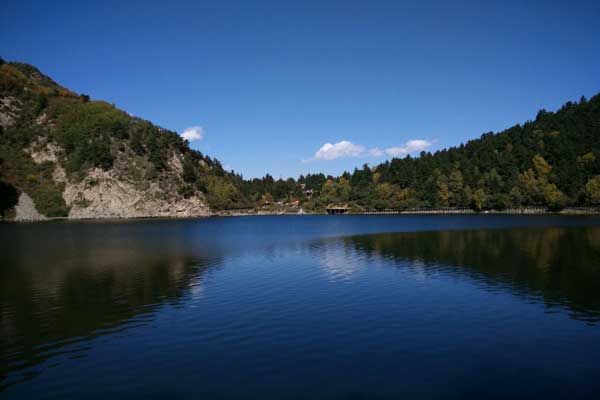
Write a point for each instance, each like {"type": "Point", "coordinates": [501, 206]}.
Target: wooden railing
{"type": "Point", "coordinates": [464, 210]}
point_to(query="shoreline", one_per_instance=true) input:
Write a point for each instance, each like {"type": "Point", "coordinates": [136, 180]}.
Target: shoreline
{"type": "Point", "coordinates": [569, 211]}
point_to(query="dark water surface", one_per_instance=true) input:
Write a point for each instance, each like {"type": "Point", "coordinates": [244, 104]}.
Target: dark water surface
{"type": "Point", "coordinates": [302, 307]}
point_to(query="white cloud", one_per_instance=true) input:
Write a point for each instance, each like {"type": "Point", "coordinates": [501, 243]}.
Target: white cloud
{"type": "Point", "coordinates": [338, 150]}
{"type": "Point", "coordinates": [412, 146]}
{"type": "Point", "coordinates": [346, 148]}
{"type": "Point", "coordinates": [193, 133]}
{"type": "Point", "coordinates": [376, 152]}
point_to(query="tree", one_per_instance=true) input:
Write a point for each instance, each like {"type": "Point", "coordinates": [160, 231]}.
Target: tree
{"type": "Point", "coordinates": [428, 192]}
{"type": "Point", "coordinates": [493, 182]}
{"type": "Point", "coordinates": [221, 195]}
{"type": "Point", "coordinates": [343, 189]}
{"type": "Point", "coordinates": [42, 103]}
{"type": "Point", "coordinates": [478, 199]}
{"type": "Point", "coordinates": [530, 189]}
{"type": "Point", "coordinates": [534, 184]}
{"type": "Point", "coordinates": [592, 190]}
{"type": "Point", "coordinates": [455, 186]}
{"type": "Point", "coordinates": [587, 159]}
{"type": "Point", "coordinates": [443, 193]}
{"type": "Point", "coordinates": [329, 191]}
{"type": "Point", "coordinates": [516, 199]}
{"type": "Point", "coordinates": [267, 199]}
{"type": "Point", "coordinates": [555, 199]}
{"type": "Point", "coordinates": [189, 172]}
{"type": "Point", "coordinates": [541, 166]}
{"type": "Point", "coordinates": [385, 193]}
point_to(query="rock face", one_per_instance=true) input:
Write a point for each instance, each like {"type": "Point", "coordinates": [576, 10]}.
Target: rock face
{"type": "Point", "coordinates": [25, 210]}
{"type": "Point", "coordinates": [43, 151]}
{"type": "Point", "coordinates": [102, 195]}
{"type": "Point", "coordinates": [109, 194]}
{"type": "Point", "coordinates": [8, 111]}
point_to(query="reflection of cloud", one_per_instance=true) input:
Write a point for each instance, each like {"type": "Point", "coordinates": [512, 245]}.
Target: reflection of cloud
{"type": "Point", "coordinates": [340, 263]}
{"type": "Point", "coordinates": [196, 289]}
{"type": "Point", "coordinates": [419, 268]}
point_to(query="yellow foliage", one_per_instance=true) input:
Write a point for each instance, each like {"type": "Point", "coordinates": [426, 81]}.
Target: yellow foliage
{"type": "Point", "coordinates": [592, 190]}
{"type": "Point", "coordinates": [541, 166]}
{"type": "Point", "coordinates": [587, 158]}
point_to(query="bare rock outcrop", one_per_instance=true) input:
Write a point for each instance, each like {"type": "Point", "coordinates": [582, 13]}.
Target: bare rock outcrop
{"type": "Point", "coordinates": [109, 194]}
{"type": "Point", "coordinates": [25, 209]}
{"type": "Point", "coordinates": [9, 108]}
{"type": "Point", "coordinates": [102, 195]}
{"type": "Point", "coordinates": [43, 151]}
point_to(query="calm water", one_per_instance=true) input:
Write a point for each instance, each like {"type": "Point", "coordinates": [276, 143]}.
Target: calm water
{"type": "Point", "coordinates": [302, 307]}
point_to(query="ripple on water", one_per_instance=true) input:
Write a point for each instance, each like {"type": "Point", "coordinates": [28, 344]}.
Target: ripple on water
{"type": "Point", "coordinates": [322, 310]}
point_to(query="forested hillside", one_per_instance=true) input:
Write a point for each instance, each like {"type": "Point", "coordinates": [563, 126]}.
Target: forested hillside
{"type": "Point", "coordinates": [58, 146]}
{"type": "Point", "coordinates": [552, 161]}
{"type": "Point", "coordinates": [78, 157]}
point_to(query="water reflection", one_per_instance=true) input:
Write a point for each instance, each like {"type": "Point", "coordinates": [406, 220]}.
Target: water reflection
{"type": "Point", "coordinates": [61, 287]}
{"type": "Point", "coordinates": [239, 306]}
{"type": "Point", "coordinates": [559, 265]}
{"type": "Point", "coordinates": [340, 263]}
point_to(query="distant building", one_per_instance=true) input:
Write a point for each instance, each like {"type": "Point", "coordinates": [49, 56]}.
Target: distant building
{"type": "Point", "coordinates": [337, 209]}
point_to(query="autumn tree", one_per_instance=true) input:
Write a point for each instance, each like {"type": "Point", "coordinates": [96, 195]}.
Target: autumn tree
{"type": "Point", "coordinates": [554, 198]}
{"type": "Point", "coordinates": [592, 190]}
{"type": "Point", "coordinates": [478, 199]}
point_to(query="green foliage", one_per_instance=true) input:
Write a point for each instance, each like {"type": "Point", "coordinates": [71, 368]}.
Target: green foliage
{"type": "Point", "coordinates": [186, 191]}
{"type": "Point", "coordinates": [221, 195]}
{"type": "Point", "coordinates": [554, 198]}
{"type": "Point", "coordinates": [592, 190]}
{"type": "Point", "coordinates": [20, 171]}
{"type": "Point", "coordinates": [86, 130]}
{"type": "Point", "coordinates": [189, 171]}
{"type": "Point", "coordinates": [478, 199]}
{"type": "Point", "coordinates": [456, 187]}
{"type": "Point", "coordinates": [443, 193]}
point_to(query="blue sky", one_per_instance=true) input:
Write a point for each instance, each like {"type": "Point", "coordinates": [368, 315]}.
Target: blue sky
{"type": "Point", "coordinates": [271, 83]}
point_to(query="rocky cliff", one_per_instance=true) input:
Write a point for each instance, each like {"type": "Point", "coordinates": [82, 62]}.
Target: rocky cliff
{"type": "Point", "coordinates": [64, 155]}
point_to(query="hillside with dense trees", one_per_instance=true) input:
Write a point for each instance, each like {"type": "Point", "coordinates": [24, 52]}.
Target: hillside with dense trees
{"type": "Point", "coordinates": [67, 151]}
{"type": "Point", "coordinates": [553, 161]}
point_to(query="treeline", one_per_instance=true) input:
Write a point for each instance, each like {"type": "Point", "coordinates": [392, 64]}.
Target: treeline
{"type": "Point", "coordinates": [553, 161]}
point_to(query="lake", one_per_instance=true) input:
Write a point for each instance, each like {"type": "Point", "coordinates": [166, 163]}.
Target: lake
{"type": "Point", "coordinates": [356, 307]}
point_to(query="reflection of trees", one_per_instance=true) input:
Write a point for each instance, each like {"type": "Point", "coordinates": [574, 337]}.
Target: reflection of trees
{"type": "Point", "coordinates": [55, 292]}
{"type": "Point", "coordinates": [560, 264]}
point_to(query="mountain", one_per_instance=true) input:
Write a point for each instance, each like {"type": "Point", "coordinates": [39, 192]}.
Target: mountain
{"type": "Point", "coordinates": [65, 155]}
{"type": "Point", "coordinates": [550, 162]}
